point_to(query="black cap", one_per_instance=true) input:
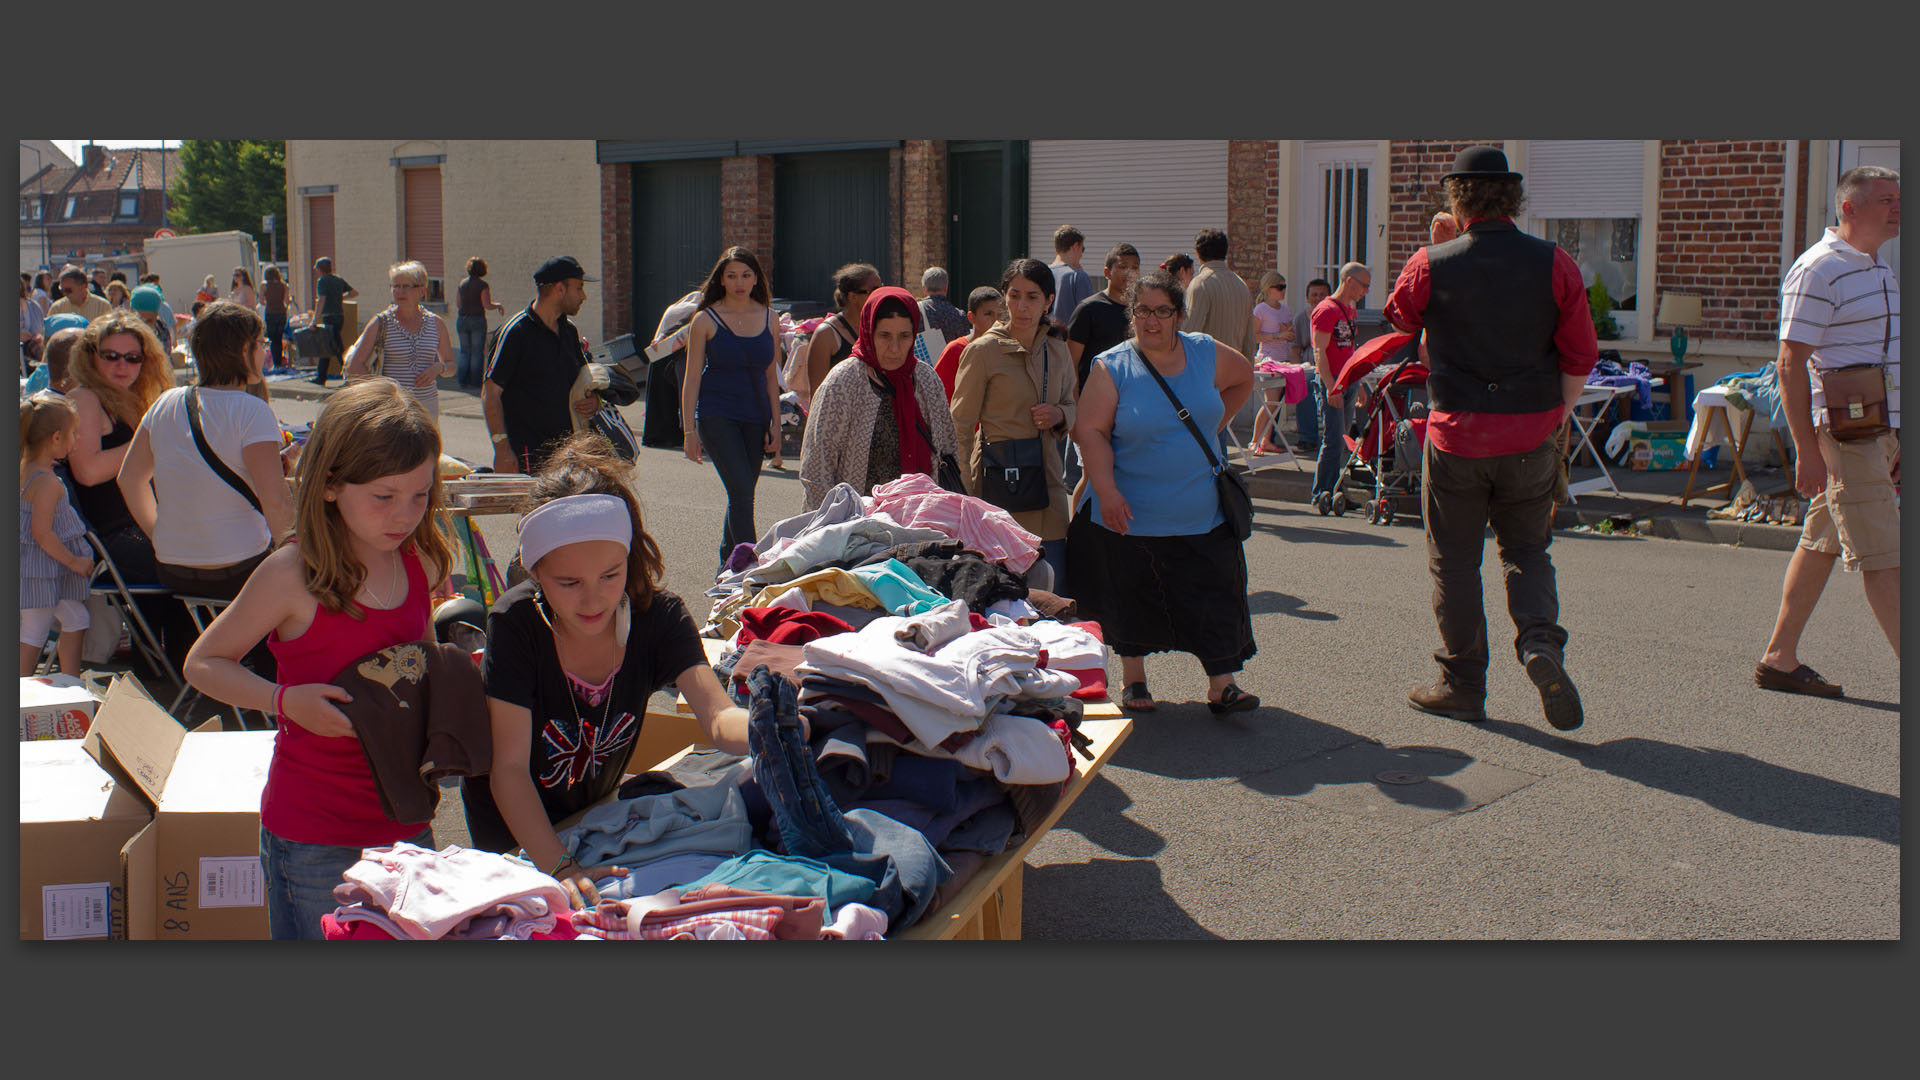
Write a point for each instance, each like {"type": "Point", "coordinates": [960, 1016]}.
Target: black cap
{"type": "Point", "coordinates": [1481, 163]}
{"type": "Point", "coordinates": [560, 268]}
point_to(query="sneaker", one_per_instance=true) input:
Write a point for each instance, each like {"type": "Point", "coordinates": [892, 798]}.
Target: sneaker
{"type": "Point", "coordinates": [1558, 699]}
{"type": "Point", "coordinates": [1442, 699]}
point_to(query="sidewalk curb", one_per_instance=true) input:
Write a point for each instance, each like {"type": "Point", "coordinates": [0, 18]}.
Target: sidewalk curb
{"type": "Point", "coordinates": [1668, 520]}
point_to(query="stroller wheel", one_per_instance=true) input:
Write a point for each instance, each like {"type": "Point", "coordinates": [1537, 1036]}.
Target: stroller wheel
{"type": "Point", "coordinates": [1321, 502]}
{"type": "Point", "coordinates": [1339, 504]}
{"type": "Point", "coordinates": [1382, 513]}
{"type": "Point", "coordinates": [1386, 516]}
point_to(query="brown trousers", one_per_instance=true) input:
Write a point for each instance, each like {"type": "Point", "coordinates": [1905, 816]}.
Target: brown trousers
{"type": "Point", "coordinates": [1460, 497]}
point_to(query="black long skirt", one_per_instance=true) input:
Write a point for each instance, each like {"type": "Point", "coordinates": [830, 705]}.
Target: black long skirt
{"type": "Point", "coordinates": [1163, 593]}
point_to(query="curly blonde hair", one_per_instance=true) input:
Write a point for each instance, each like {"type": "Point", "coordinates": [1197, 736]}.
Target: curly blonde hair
{"type": "Point", "coordinates": [156, 371]}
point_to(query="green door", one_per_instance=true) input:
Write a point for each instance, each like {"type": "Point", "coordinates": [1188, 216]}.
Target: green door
{"type": "Point", "coordinates": [986, 212]}
{"type": "Point", "coordinates": [830, 208]}
{"type": "Point", "coordinates": [676, 234]}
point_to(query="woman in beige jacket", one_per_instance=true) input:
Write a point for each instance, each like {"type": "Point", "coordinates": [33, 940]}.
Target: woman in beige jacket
{"type": "Point", "coordinates": [1016, 382]}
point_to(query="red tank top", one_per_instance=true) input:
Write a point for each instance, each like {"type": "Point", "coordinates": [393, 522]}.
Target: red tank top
{"type": "Point", "coordinates": [320, 790]}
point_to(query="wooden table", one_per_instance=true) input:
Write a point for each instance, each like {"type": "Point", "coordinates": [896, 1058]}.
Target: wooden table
{"type": "Point", "coordinates": [1737, 443]}
{"type": "Point", "coordinates": [987, 908]}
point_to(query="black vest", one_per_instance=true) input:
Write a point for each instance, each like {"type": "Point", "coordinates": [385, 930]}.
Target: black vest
{"type": "Point", "coordinates": [1490, 319]}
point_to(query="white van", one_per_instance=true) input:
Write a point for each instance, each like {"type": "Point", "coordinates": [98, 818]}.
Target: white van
{"type": "Point", "coordinates": [183, 262]}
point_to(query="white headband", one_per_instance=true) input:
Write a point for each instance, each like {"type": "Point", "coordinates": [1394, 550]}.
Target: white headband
{"type": "Point", "coordinates": [574, 519]}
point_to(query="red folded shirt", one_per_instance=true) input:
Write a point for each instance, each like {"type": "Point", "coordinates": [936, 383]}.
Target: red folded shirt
{"type": "Point", "coordinates": [789, 626]}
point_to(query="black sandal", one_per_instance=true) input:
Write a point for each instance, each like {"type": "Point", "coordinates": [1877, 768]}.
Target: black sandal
{"type": "Point", "coordinates": [1137, 691]}
{"type": "Point", "coordinates": [1232, 700]}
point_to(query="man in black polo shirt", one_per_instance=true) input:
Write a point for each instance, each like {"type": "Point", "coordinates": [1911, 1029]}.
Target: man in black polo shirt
{"type": "Point", "coordinates": [531, 373]}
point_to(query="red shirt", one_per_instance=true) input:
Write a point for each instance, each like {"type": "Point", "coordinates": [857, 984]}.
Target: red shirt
{"type": "Point", "coordinates": [948, 367]}
{"type": "Point", "coordinates": [1332, 317]}
{"type": "Point", "coordinates": [320, 790]}
{"type": "Point", "coordinates": [1478, 435]}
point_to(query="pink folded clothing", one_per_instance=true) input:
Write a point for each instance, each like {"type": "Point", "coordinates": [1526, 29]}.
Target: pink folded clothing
{"type": "Point", "coordinates": [339, 927]}
{"type": "Point", "coordinates": [428, 894]}
{"type": "Point", "coordinates": [1296, 376]}
{"type": "Point", "coordinates": [709, 913]}
{"type": "Point", "coordinates": [857, 922]}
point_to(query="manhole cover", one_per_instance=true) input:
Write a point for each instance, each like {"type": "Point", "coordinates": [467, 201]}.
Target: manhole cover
{"type": "Point", "coordinates": [1394, 776]}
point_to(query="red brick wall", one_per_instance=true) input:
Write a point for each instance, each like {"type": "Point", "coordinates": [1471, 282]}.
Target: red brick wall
{"type": "Point", "coordinates": [746, 209]}
{"type": "Point", "coordinates": [1253, 207]}
{"type": "Point", "coordinates": [1719, 233]}
{"type": "Point", "coordinates": [616, 250]}
{"type": "Point", "coordinates": [923, 219]}
{"type": "Point", "coordinates": [1414, 170]}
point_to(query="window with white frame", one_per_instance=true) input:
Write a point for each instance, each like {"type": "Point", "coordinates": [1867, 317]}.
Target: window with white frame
{"type": "Point", "coordinates": [129, 204]}
{"type": "Point", "coordinates": [1586, 196]}
{"type": "Point", "coordinates": [72, 201]}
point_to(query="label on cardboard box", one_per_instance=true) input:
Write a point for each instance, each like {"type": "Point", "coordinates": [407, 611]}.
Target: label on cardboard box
{"type": "Point", "coordinates": [55, 707]}
{"type": "Point", "coordinates": [76, 911]}
{"type": "Point", "coordinates": [229, 881]}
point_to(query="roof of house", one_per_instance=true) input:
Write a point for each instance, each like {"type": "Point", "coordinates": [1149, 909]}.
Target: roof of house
{"type": "Point", "coordinates": [147, 166]}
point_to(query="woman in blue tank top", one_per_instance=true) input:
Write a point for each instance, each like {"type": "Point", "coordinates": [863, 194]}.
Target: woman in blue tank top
{"type": "Point", "coordinates": [730, 401]}
{"type": "Point", "coordinates": [1150, 555]}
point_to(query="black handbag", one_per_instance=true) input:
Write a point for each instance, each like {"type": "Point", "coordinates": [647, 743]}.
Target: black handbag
{"type": "Point", "coordinates": [1236, 504]}
{"type": "Point", "coordinates": [1013, 472]}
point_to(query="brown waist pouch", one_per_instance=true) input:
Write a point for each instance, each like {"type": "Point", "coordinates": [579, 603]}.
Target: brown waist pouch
{"type": "Point", "coordinates": [1856, 402]}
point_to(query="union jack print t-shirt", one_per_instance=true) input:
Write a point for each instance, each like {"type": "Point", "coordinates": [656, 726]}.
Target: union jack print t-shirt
{"type": "Point", "coordinates": [580, 742]}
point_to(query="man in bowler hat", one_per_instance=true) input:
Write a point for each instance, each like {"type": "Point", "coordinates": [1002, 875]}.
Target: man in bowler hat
{"type": "Point", "coordinates": [1510, 343]}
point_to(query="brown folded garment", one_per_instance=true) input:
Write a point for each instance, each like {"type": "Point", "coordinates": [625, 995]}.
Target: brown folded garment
{"type": "Point", "coordinates": [1059, 608]}
{"type": "Point", "coordinates": [781, 659]}
{"type": "Point", "coordinates": [420, 713]}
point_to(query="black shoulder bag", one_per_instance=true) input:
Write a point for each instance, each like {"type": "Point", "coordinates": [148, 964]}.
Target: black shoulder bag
{"type": "Point", "coordinates": [219, 467]}
{"type": "Point", "coordinates": [1013, 472]}
{"type": "Point", "coordinates": [1235, 502]}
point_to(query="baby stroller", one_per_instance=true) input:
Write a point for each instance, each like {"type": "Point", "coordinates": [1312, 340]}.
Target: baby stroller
{"type": "Point", "coordinates": [1386, 443]}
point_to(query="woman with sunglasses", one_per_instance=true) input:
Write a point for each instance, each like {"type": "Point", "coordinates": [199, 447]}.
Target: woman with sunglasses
{"type": "Point", "coordinates": [241, 289]}
{"type": "Point", "coordinates": [1151, 557]}
{"type": "Point", "coordinates": [121, 371]}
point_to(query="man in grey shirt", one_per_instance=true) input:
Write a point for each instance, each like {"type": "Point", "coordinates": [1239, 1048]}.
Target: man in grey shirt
{"type": "Point", "coordinates": [937, 312]}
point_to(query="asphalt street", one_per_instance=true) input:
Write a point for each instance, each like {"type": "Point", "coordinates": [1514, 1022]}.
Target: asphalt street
{"type": "Point", "coordinates": [1690, 805]}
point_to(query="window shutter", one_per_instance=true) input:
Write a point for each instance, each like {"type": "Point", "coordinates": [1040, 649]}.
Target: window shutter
{"type": "Point", "coordinates": [1584, 178]}
{"type": "Point", "coordinates": [423, 219]}
{"type": "Point", "coordinates": [320, 226]}
{"type": "Point", "coordinates": [1152, 194]}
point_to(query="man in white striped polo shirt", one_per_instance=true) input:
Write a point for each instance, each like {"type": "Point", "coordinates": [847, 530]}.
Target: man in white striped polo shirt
{"type": "Point", "coordinates": [1839, 305]}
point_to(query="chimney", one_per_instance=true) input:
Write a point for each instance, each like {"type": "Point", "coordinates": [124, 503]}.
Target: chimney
{"type": "Point", "coordinates": [95, 157]}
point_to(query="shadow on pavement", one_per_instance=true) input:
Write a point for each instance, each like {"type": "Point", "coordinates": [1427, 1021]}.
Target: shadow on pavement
{"type": "Point", "coordinates": [1103, 900]}
{"type": "Point", "coordinates": [1295, 534]}
{"type": "Point", "coordinates": [1733, 783]}
{"type": "Point", "coordinates": [1098, 815]}
{"type": "Point", "coordinates": [1868, 703]}
{"type": "Point", "coordinates": [1363, 763]}
{"type": "Point", "coordinates": [1183, 741]}
{"type": "Point", "coordinates": [1268, 602]}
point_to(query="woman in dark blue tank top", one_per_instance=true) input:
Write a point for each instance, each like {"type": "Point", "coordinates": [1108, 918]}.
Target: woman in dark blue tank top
{"type": "Point", "coordinates": [730, 400]}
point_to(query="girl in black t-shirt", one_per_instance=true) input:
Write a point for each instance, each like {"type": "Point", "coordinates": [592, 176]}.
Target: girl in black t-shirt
{"type": "Point", "coordinates": [572, 656]}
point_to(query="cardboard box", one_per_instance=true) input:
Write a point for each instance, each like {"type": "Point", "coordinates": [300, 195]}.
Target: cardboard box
{"type": "Point", "coordinates": [55, 707]}
{"type": "Point", "coordinates": [194, 873]}
{"type": "Point", "coordinates": [75, 822]}
{"type": "Point", "coordinates": [1656, 451]}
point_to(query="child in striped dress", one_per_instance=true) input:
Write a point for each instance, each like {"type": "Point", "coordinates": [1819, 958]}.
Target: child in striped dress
{"type": "Point", "coordinates": [55, 561]}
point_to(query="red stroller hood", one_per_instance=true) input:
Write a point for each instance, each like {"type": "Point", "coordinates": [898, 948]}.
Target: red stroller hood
{"type": "Point", "coordinates": [1367, 357]}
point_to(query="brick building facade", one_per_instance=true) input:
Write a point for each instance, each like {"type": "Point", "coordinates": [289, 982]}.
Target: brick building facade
{"type": "Point", "coordinates": [106, 206]}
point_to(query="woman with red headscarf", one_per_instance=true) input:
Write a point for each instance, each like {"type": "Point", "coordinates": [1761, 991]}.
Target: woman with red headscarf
{"type": "Point", "coordinates": [879, 419]}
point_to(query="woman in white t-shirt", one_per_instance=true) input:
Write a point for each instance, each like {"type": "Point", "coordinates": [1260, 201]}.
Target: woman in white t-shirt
{"type": "Point", "coordinates": [208, 535]}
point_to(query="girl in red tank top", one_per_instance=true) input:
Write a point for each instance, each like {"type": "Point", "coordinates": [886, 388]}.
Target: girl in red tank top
{"type": "Point", "coordinates": [366, 552]}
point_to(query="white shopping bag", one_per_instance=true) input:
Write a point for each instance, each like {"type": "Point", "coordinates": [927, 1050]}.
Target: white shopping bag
{"type": "Point", "coordinates": [928, 345]}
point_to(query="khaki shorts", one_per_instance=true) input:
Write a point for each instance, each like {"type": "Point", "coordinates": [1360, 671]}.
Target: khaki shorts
{"type": "Point", "coordinates": [1856, 516]}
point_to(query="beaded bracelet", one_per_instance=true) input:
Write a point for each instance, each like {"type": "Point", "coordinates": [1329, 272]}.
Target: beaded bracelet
{"type": "Point", "coordinates": [279, 695]}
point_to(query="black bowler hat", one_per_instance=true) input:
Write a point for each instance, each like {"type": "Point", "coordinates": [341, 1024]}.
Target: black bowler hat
{"type": "Point", "coordinates": [1481, 163]}
{"type": "Point", "coordinates": [560, 268]}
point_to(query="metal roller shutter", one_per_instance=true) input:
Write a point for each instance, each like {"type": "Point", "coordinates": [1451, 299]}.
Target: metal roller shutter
{"type": "Point", "coordinates": [423, 231]}
{"type": "Point", "coordinates": [1584, 178]}
{"type": "Point", "coordinates": [1153, 194]}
